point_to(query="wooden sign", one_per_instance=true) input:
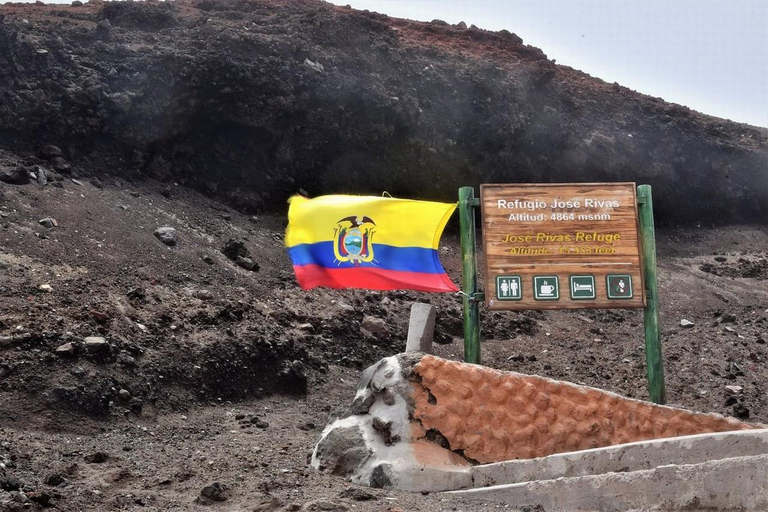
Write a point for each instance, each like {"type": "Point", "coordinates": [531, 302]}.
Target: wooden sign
{"type": "Point", "coordinates": [563, 246]}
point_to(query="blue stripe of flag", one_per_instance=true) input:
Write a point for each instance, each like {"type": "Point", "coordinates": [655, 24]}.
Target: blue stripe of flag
{"type": "Point", "coordinates": [387, 257]}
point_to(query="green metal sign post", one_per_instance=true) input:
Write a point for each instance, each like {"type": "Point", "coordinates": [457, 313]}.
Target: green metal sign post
{"type": "Point", "coordinates": [581, 287]}
{"type": "Point", "coordinates": [467, 204]}
{"type": "Point", "coordinates": [656, 389]}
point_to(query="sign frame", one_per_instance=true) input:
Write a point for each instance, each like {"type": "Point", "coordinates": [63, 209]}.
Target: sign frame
{"type": "Point", "coordinates": [564, 265]}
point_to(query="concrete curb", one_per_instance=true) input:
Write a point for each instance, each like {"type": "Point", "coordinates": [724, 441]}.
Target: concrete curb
{"type": "Point", "coordinates": [738, 483]}
{"type": "Point", "coordinates": [629, 457]}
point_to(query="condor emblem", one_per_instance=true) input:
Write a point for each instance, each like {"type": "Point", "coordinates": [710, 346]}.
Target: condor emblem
{"type": "Point", "coordinates": [353, 240]}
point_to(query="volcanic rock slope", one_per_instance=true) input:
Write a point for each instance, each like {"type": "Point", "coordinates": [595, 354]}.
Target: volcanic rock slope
{"type": "Point", "coordinates": [254, 100]}
{"type": "Point", "coordinates": [135, 374]}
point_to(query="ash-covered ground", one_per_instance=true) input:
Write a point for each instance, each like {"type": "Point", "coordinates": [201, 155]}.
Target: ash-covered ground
{"type": "Point", "coordinates": [138, 375]}
{"type": "Point", "coordinates": [209, 372]}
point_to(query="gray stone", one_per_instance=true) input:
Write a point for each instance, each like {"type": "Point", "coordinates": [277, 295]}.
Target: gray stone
{"type": "Point", "coordinates": [166, 235]}
{"type": "Point", "coordinates": [97, 458]}
{"type": "Point", "coordinates": [48, 222]}
{"type": "Point", "coordinates": [741, 411]}
{"type": "Point", "coordinates": [10, 483]}
{"type": "Point", "coordinates": [357, 494]}
{"type": "Point", "coordinates": [19, 497]}
{"type": "Point", "coordinates": [314, 66]}
{"type": "Point", "coordinates": [204, 294]}
{"type": "Point", "coordinates": [42, 177]}
{"type": "Point", "coordinates": [18, 176]}
{"type": "Point", "coordinates": [362, 405]}
{"type": "Point", "coordinates": [381, 477]}
{"type": "Point", "coordinates": [60, 164]}
{"type": "Point", "coordinates": [686, 323]}
{"type": "Point", "coordinates": [247, 264]}
{"type": "Point", "coordinates": [124, 394]}
{"type": "Point", "coordinates": [96, 344]}
{"type": "Point", "coordinates": [214, 492]}
{"type": "Point", "coordinates": [733, 390]}
{"type": "Point", "coordinates": [103, 29]}
{"type": "Point", "coordinates": [235, 248]}
{"type": "Point", "coordinates": [50, 151]}
{"type": "Point", "coordinates": [384, 429]}
{"type": "Point", "coordinates": [326, 505]}
{"type": "Point", "coordinates": [54, 480]}
{"type": "Point", "coordinates": [67, 350]}
{"type": "Point", "coordinates": [346, 307]}
{"type": "Point", "coordinates": [375, 326]}
{"type": "Point", "coordinates": [421, 328]}
{"type": "Point", "coordinates": [136, 293]}
{"type": "Point", "coordinates": [342, 451]}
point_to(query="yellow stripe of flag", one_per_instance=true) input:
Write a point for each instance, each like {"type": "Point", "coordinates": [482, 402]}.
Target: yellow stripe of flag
{"type": "Point", "coordinates": [399, 222]}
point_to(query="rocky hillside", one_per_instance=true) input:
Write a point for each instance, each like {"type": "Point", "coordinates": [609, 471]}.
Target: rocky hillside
{"type": "Point", "coordinates": [252, 100]}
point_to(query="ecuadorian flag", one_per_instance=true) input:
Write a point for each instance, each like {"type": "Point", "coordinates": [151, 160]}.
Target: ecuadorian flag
{"type": "Point", "coordinates": [376, 243]}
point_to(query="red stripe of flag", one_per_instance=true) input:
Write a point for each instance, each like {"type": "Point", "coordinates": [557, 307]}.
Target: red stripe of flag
{"type": "Point", "coordinates": [310, 276]}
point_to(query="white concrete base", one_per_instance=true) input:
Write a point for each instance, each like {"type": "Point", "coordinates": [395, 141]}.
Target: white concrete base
{"type": "Point", "coordinates": [730, 484]}
{"type": "Point", "coordinates": [625, 457]}
{"type": "Point", "coordinates": [719, 471]}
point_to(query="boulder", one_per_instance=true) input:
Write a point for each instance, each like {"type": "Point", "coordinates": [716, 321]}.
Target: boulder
{"type": "Point", "coordinates": [234, 249]}
{"type": "Point", "coordinates": [18, 176]}
{"type": "Point", "coordinates": [48, 222]}
{"type": "Point", "coordinates": [375, 326]}
{"type": "Point", "coordinates": [66, 350]}
{"type": "Point", "coordinates": [343, 451]}
{"type": "Point", "coordinates": [96, 344]}
{"type": "Point", "coordinates": [167, 235]}
{"type": "Point", "coordinates": [247, 264]}
{"type": "Point", "coordinates": [50, 151]}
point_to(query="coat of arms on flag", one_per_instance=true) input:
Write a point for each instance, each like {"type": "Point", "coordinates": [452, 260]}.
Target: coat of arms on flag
{"type": "Point", "coordinates": [353, 242]}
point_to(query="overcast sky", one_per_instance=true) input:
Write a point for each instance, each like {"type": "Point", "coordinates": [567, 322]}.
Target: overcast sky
{"type": "Point", "coordinates": [709, 55]}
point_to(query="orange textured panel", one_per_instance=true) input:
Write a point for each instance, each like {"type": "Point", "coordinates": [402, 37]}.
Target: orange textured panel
{"type": "Point", "coordinates": [494, 416]}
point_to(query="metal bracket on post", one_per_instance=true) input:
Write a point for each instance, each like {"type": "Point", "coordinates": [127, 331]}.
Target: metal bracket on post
{"type": "Point", "coordinates": [467, 205]}
{"type": "Point", "coordinates": [656, 389]}
{"type": "Point", "coordinates": [478, 297]}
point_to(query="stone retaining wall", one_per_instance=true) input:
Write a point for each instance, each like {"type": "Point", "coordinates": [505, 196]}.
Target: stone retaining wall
{"type": "Point", "coordinates": [419, 422]}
